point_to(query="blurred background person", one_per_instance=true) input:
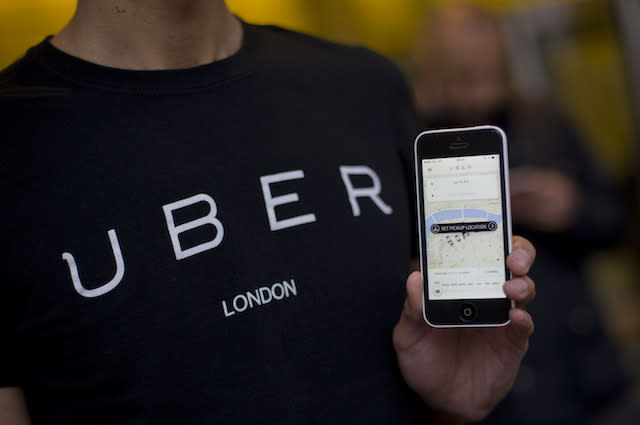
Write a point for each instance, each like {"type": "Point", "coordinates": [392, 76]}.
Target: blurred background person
{"type": "Point", "coordinates": [572, 373]}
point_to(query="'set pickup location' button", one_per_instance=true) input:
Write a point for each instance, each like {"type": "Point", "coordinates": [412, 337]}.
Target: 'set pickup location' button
{"type": "Point", "coordinates": [477, 226]}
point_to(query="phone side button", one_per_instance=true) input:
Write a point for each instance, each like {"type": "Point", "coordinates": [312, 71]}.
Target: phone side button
{"type": "Point", "coordinates": [467, 312]}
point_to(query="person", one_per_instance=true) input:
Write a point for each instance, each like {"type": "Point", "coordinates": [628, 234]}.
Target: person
{"type": "Point", "coordinates": [208, 221]}
{"type": "Point", "coordinates": [559, 200]}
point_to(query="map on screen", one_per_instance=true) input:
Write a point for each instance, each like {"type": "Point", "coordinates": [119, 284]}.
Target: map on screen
{"type": "Point", "coordinates": [463, 227]}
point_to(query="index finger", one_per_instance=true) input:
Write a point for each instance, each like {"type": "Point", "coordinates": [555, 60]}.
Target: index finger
{"type": "Point", "coordinates": [522, 256]}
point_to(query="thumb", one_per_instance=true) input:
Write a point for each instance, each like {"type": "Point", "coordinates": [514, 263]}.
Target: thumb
{"type": "Point", "coordinates": [413, 303]}
{"type": "Point", "coordinates": [411, 327]}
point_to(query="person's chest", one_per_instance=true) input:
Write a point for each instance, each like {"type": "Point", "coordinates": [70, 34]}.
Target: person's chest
{"type": "Point", "coordinates": [218, 237]}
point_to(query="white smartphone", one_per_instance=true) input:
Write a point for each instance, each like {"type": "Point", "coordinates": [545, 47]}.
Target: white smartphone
{"type": "Point", "coordinates": [464, 223]}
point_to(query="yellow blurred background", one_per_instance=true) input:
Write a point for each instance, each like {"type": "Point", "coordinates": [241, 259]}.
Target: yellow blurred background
{"type": "Point", "coordinates": [585, 73]}
{"type": "Point", "coordinates": [386, 26]}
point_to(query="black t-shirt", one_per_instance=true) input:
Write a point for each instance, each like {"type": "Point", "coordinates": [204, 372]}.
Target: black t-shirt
{"type": "Point", "coordinates": [225, 244]}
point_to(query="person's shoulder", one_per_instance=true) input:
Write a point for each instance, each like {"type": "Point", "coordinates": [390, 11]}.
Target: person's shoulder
{"type": "Point", "coordinates": [24, 80]}
{"type": "Point", "coordinates": [10, 84]}
{"type": "Point", "coordinates": [299, 50]}
{"type": "Point", "coordinates": [311, 44]}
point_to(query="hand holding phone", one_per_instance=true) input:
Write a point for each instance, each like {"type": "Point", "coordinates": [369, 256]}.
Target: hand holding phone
{"type": "Point", "coordinates": [462, 373]}
{"type": "Point", "coordinates": [464, 225]}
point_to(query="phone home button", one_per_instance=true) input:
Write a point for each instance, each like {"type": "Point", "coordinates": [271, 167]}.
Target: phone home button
{"type": "Point", "coordinates": [467, 312]}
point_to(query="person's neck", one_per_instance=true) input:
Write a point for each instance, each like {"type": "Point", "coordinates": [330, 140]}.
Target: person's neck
{"type": "Point", "coordinates": [151, 34]}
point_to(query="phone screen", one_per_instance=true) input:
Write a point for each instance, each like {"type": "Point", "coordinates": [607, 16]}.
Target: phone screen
{"type": "Point", "coordinates": [463, 213]}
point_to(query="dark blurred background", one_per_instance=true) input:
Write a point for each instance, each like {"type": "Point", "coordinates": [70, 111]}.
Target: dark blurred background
{"type": "Point", "coordinates": [570, 71]}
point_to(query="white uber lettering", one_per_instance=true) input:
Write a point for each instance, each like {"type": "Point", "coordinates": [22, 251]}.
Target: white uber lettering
{"type": "Point", "coordinates": [275, 287]}
{"type": "Point", "coordinates": [254, 298]}
{"type": "Point", "coordinates": [290, 287]}
{"type": "Point", "coordinates": [271, 202]}
{"type": "Point", "coordinates": [210, 218]}
{"type": "Point", "coordinates": [107, 287]}
{"type": "Point", "coordinates": [240, 307]}
{"type": "Point", "coordinates": [265, 295]}
{"type": "Point", "coordinates": [372, 192]}
{"type": "Point", "coordinates": [259, 297]}
{"type": "Point", "coordinates": [227, 313]}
